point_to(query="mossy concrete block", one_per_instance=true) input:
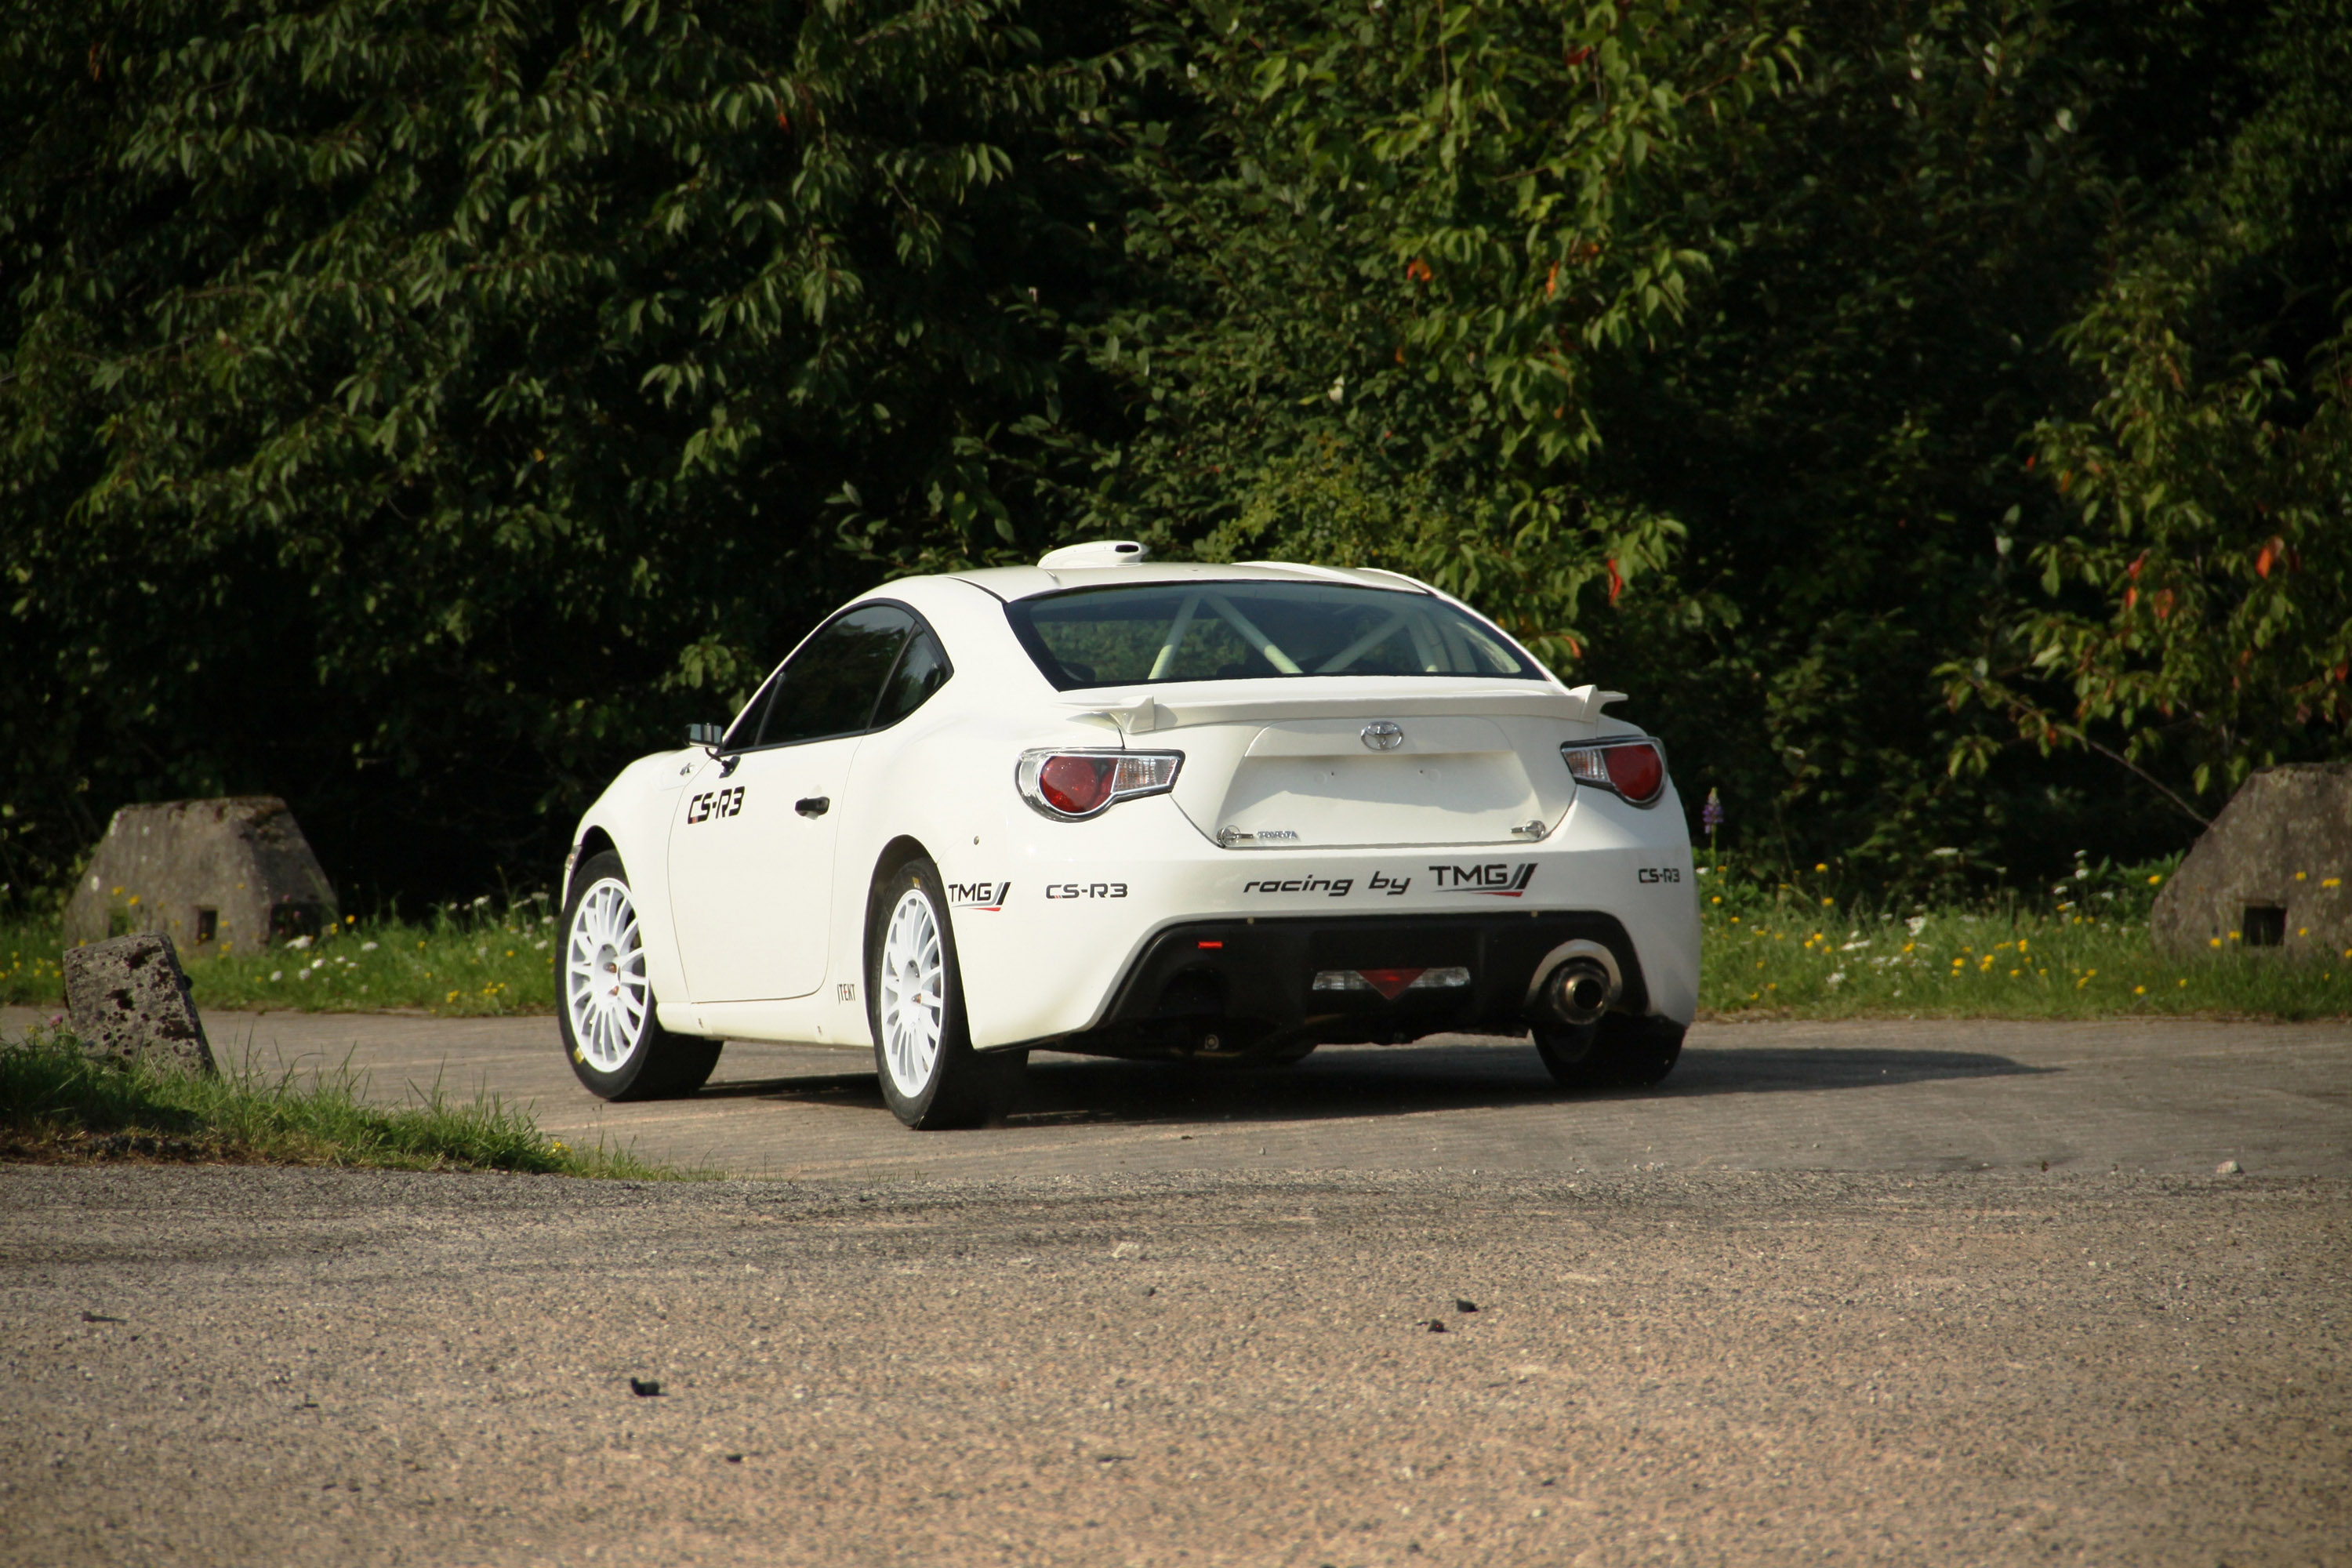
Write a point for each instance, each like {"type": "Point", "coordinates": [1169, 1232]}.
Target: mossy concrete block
{"type": "Point", "coordinates": [2273, 871]}
{"type": "Point", "coordinates": [233, 873]}
{"type": "Point", "coordinates": [127, 997]}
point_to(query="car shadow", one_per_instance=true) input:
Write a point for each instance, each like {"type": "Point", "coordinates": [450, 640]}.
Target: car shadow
{"type": "Point", "coordinates": [1395, 1081]}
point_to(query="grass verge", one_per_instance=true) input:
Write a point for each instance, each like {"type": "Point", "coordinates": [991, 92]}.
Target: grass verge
{"type": "Point", "coordinates": [1783, 948]}
{"type": "Point", "coordinates": [467, 959]}
{"type": "Point", "coordinates": [57, 1105]}
{"type": "Point", "coordinates": [1776, 943]}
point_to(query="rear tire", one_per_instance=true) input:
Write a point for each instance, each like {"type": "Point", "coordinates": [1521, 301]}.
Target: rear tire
{"type": "Point", "coordinates": [931, 1077]}
{"type": "Point", "coordinates": [605, 1006]}
{"type": "Point", "coordinates": [1618, 1051]}
{"type": "Point", "coordinates": [1644, 1050]}
{"type": "Point", "coordinates": [1573, 1055]}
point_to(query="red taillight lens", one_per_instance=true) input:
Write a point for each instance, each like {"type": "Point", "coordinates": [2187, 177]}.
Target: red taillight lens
{"type": "Point", "coordinates": [1077, 785]}
{"type": "Point", "coordinates": [1633, 769]}
{"type": "Point", "coordinates": [1070, 786]}
{"type": "Point", "coordinates": [1637, 772]}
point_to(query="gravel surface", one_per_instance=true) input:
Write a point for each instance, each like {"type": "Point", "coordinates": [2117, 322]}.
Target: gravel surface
{"type": "Point", "coordinates": [239, 1367]}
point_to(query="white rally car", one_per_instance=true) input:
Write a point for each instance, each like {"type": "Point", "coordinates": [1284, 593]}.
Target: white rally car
{"type": "Point", "coordinates": [1134, 809]}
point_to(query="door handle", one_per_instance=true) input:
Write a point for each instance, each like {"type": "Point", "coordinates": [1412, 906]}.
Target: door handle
{"type": "Point", "coordinates": [814, 805]}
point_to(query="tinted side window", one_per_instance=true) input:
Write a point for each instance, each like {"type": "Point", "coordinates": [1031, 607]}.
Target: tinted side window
{"type": "Point", "coordinates": [829, 687]}
{"type": "Point", "coordinates": [923, 671]}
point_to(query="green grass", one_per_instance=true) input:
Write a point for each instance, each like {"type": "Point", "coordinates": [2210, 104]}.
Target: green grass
{"type": "Point", "coordinates": [464, 959]}
{"type": "Point", "coordinates": [2082, 951]}
{"type": "Point", "coordinates": [57, 1105]}
{"type": "Point", "coordinates": [1803, 945]}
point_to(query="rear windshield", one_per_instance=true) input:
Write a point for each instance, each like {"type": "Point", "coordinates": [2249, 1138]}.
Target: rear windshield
{"type": "Point", "coordinates": [1255, 630]}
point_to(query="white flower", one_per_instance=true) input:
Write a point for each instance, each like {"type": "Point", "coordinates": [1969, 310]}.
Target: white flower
{"type": "Point", "coordinates": [298, 943]}
{"type": "Point", "coordinates": [1836, 975]}
{"type": "Point", "coordinates": [1849, 947]}
{"type": "Point", "coordinates": [540, 944]}
{"type": "Point", "coordinates": [277, 975]}
{"type": "Point", "coordinates": [1915, 924]}
{"type": "Point", "coordinates": [367, 947]}
{"type": "Point", "coordinates": [302, 974]}
{"type": "Point", "coordinates": [547, 920]}
{"type": "Point", "coordinates": [481, 901]}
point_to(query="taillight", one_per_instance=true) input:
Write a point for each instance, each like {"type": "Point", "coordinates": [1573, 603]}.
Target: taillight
{"type": "Point", "coordinates": [1070, 786]}
{"type": "Point", "coordinates": [1635, 769]}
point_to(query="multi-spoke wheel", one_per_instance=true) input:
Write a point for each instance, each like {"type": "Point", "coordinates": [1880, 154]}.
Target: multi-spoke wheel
{"type": "Point", "coordinates": [616, 1044]}
{"type": "Point", "coordinates": [922, 1049]}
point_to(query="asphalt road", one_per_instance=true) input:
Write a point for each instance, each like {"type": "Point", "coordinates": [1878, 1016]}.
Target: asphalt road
{"type": "Point", "coordinates": [1817, 1300]}
{"type": "Point", "coordinates": [1911, 1095]}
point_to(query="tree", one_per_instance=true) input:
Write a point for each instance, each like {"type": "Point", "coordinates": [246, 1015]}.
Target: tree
{"type": "Point", "coordinates": [2196, 614]}
{"type": "Point", "coordinates": [415, 407]}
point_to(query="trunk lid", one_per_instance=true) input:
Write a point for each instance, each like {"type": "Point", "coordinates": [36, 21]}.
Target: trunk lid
{"type": "Point", "coordinates": [1364, 769]}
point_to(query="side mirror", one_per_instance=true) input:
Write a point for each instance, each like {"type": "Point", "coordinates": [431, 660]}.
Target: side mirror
{"type": "Point", "coordinates": [704, 734]}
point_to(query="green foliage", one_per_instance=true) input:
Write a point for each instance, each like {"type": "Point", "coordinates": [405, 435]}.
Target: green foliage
{"type": "Point", "coordinates": [416, 408]}
{"type": "Point", "coordinates": [2202, 612]}
{"type": "Point", "coordinates": [57, 1104]}
{"type": "Point", "coordinates": [1375, 250]}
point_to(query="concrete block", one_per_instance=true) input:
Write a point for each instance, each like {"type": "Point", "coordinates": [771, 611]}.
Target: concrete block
{"type": "Point", "coordinates": [209, 874]}
{"type": "Point", "coordinates": [127, 997]}
{"type": "Point", "coordinates": [2273, 871]}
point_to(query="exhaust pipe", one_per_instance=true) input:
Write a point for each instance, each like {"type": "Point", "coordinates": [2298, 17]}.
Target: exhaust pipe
{"type": "Point", "coordinates": [1578, 991]}
{"type": "Point", "coordinates": [1578, 982]}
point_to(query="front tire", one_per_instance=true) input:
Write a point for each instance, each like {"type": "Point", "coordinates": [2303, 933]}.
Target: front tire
{"type": "Point", "coordinates": [605, 1004]}
{"type": "Point", "coordinates": [930, 1076]}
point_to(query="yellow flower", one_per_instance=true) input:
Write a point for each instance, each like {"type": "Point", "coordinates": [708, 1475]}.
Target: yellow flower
{"type": "Point", "coordinates": [2012, 974]}
{"type": "Point", "coordinates": [1826, 903]}
{"type": "Point", "coordinates": [2139, 990]}
{"type": "Point", "coordinates": [2233, 936]}
{"type": "Point", "coordinates": [2216, 942]}
{"type": "Point", "coordinates": [2152, 881]}
{"type": "Point", "coordinates": [2332, 882]}
{"type": "Point", "coordinates": [1718, 898]}
{"type": "Point", "coordinates": [2184, 985]}
{"type": "Point", "coordinates": [1823, 867]}
{"type": "Point", "coordinates": [2298, 876]}
{"type": "Point", "coordinates": [451, 997]}
{"type": "Point", "coordinates": [2303, 931]}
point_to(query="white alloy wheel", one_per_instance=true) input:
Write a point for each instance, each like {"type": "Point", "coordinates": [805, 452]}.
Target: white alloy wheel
{"type": "Point", "coordinates": [913, 1000]}
{"type": "Point", "coordinates": [607, 996]}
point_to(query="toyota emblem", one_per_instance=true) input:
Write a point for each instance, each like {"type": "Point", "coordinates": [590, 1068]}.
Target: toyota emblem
{"type": "Point", "coordinates": [1383, 736]}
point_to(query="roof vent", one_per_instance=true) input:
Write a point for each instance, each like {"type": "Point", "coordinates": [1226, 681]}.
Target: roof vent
{"type": "Point", "coordinates": [1095, 552]}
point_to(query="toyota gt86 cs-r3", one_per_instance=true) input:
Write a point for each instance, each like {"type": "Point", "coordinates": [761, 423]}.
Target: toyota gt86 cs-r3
{"type": "Point", "coordinates": [1137, 809]}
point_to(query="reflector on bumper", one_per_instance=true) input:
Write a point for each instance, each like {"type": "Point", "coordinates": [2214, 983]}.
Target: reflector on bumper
{"type": "Point", "coordinates": [1392, 983]}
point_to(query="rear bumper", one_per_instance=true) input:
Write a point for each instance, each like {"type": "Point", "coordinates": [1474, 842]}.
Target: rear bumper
{"type": "Point", "coordinates": [1259, 972]}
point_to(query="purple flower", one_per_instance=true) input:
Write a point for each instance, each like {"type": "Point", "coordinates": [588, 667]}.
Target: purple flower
{"type": "Point", "coordinates": [1710, 816]}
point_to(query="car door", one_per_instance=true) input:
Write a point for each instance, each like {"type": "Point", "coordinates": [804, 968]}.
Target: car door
{"type": "Point", "coordinates": [751, 845]}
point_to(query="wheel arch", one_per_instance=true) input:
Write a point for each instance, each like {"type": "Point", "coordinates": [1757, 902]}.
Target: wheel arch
{"type": "Point", "coordinates": [906, 847]}
{"type": "Point", "coordinates": [594, 841]}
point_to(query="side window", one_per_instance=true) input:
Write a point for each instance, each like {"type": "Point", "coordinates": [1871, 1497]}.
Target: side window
{"type": "Point", "coordinates": [830, 687]}
{"type": "Point", "coordinates": [922, 669]}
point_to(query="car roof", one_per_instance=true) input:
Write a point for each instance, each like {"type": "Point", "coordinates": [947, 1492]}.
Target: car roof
{"type": "Point", "coordinates": [1010, 583]}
